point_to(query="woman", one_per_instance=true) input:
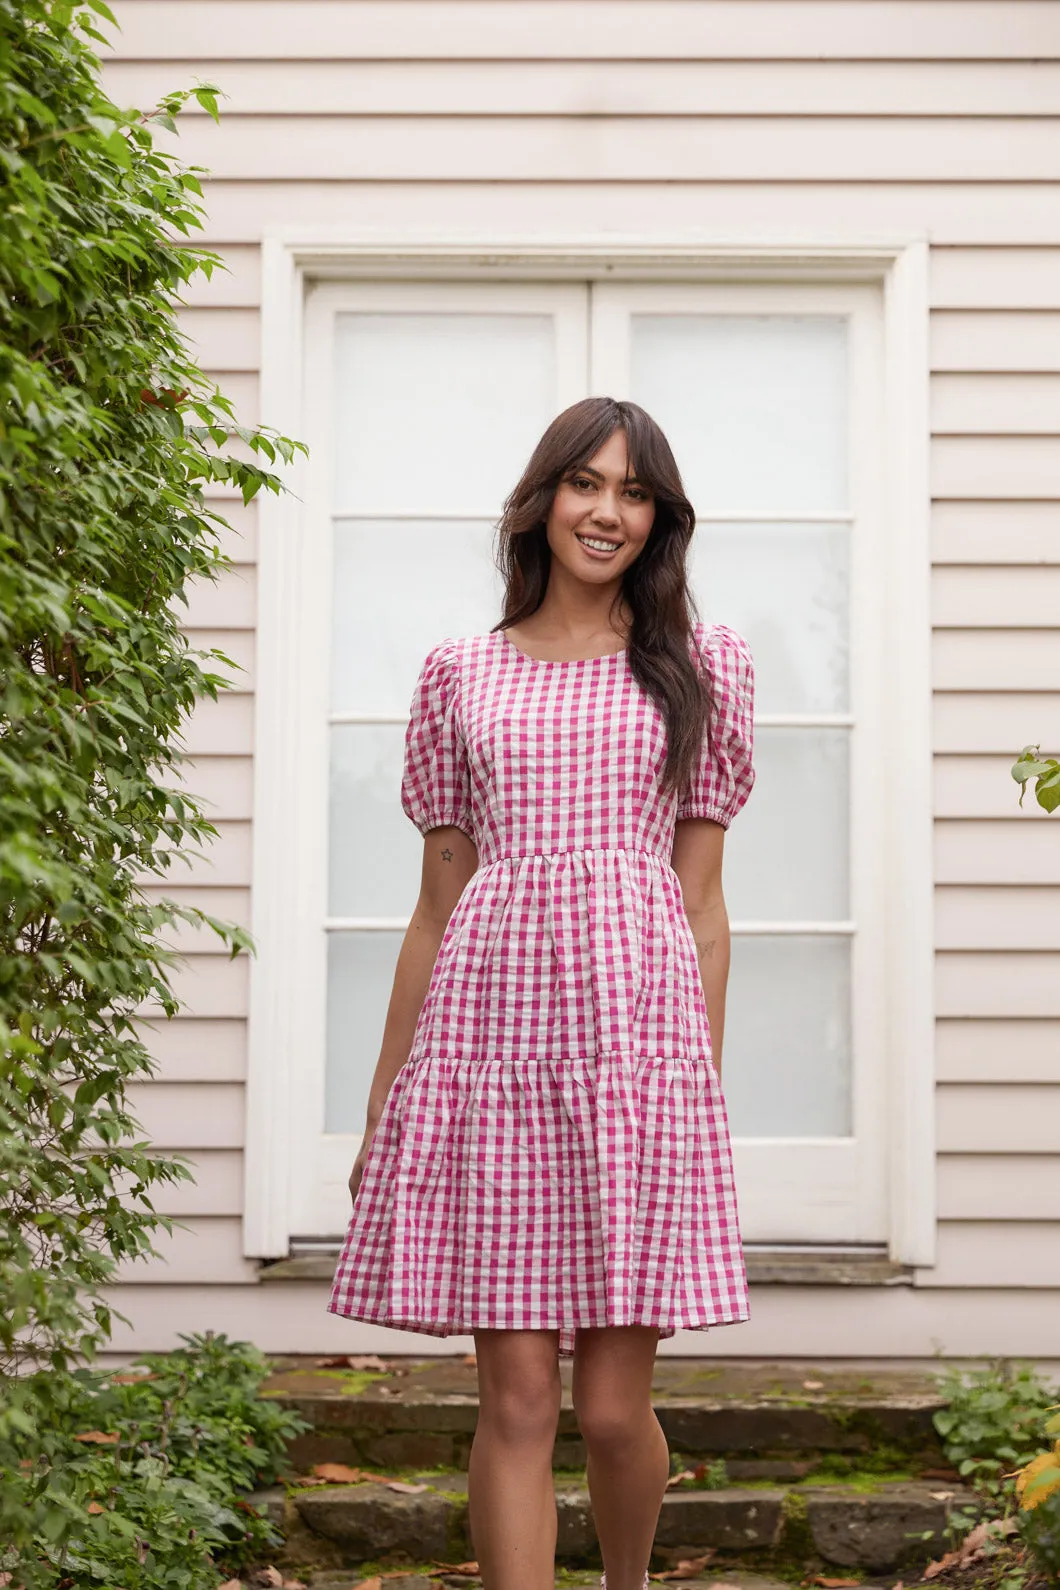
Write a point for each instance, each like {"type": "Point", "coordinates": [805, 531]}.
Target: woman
{"type": "Point", "coordinates": [546, 1162]}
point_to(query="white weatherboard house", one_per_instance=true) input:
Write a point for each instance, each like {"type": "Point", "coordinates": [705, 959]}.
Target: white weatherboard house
{"type": "Point", "coordinates": [820, 241]}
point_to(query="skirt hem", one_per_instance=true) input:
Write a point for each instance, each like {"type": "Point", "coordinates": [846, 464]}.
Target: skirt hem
{"type": "Point", "coordinates": [566, 1330]}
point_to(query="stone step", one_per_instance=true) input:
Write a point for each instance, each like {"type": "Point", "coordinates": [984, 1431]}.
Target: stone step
{"type": "Point", "coordinates": [878, 1528]}
{"type": "Point", "coordinates": [351, 1579]}
{"type": "Point", "coordinates": [766, 1421]}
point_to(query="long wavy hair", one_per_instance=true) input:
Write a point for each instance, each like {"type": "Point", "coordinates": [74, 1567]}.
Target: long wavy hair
{"type": "Point", "coordinates": [661, 645]}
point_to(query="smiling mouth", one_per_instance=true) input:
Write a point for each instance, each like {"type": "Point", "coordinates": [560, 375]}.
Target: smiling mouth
{"type": "Point", "coordinates": [598, 544]}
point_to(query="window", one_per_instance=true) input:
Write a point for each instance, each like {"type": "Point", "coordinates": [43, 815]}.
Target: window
{"type": "Point", "coordinates": [423, 402]}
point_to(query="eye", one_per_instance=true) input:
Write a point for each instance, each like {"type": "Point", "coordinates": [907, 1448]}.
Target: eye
{"type": "Point", "coordinates": [581, 480]}
{"type": "Point", "coordinates": [638, 493]}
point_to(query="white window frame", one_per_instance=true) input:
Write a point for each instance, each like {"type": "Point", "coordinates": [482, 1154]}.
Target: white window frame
{"type": "Point", "coordinates": [283, 917]}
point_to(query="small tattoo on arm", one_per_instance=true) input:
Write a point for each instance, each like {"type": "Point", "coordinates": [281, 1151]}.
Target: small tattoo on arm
{"type": "Point", "coordinates": [707, 948]}
{"type": "Point", "coordinates": [447, 855]}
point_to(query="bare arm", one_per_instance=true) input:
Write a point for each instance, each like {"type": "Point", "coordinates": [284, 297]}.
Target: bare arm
{"type": "Point", "coordinates": [449, 860]}
{"type": "Point", "coordinates": [697, 856]}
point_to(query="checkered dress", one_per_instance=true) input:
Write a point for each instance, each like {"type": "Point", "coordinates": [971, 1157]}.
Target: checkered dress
{"type": "Point", "coordinates": [554, 1153]}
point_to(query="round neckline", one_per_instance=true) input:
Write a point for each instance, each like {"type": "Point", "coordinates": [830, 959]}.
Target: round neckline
{"type": "Point", "coordinates": [559, 662]}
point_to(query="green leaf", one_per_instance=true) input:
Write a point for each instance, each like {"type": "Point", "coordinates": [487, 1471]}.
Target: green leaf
{"type": "Point", "coordinates": [207, 98]}
{"type": "Point", "coordinates": [1048, 794]}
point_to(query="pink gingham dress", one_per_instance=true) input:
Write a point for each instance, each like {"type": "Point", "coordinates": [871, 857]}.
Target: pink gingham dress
{"type": "Point", "coordinates": [554, 1153]}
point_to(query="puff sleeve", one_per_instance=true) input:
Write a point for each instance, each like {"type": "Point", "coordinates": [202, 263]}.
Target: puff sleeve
{"type": "Point", "coordinates": [436, 779]}
{"type": "Point", "coordinates": [722, 780]}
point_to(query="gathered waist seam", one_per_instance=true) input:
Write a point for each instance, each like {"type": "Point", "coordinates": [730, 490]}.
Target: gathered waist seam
{"type": "Point", "coordinates": [577, 850]}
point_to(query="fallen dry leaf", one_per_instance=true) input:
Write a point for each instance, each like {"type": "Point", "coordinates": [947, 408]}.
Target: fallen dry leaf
{"type": "Point", "coordinates": [972, 1547]}
{"type": "Point", "coordinates": [340, 1474]}
{"type": "Point", "coordinates": [687, 1568]}
{"type": "Point", "coordinates": [405, 1487]}
{"type": "Point", "coordinates": [817, 1385]}
{"type": "Point", "coordinates": [465, 1570]}
{"type": "Point", "coordinates": [684, 1474]}
{"type": "Point", "coordinates": [834, 1584]}
{"type": "Point", "coordinates": [933, 1569]}
{"type": "Point", "coordinates": [469, 1358]}
{"type": "Point", "coordinates": [941, 1496]}
{"type": "Point", "coordinates": [99, 1437]}
{"type": "Point", "coordinates": [352, 1361]}
{"type": "Point", "coordinates": [95, 1507]}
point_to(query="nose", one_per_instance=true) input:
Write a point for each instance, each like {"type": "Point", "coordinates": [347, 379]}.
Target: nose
{"type": "Point", "coordinates": [606, 510]}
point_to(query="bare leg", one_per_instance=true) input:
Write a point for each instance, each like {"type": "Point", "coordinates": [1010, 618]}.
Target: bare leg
{"type": "Point", "coordinates": [511, 1495]}
{"type": "Point", "coordinates": [628, 1459]}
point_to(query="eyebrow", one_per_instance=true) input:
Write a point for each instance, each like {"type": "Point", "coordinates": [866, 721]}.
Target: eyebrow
{"type": "Point", "coordinates": [586, 469]}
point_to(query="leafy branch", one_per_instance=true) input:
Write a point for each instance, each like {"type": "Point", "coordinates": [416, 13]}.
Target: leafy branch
{"type": "Point", "coordinates": [1045, 771]}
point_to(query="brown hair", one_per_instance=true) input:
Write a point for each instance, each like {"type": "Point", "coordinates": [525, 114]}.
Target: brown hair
{"type": "Point", "coordinates": [655, 585]}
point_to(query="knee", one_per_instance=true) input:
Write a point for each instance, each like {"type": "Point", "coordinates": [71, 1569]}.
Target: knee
{"type": "Point", "coordinates": [607, 1424]}
{"type": "Point", "coordinates": [523, 1413]}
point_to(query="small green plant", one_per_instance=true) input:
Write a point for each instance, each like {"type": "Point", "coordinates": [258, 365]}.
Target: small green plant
{"type": "Point", "coordinates": [990, 1433]}
{"type": "Point", "coordinates": [709, 1474]}
{"type": "Point", "coordinates": [1046, 773]}
{"type": "Point", "coordinates": [145, 1477]}
{"type": "Point", "coordinates": [1040, 1530]}
{"type": "Point", "coordinates": [990, 1425]}
{"type": "Point", "coordinates": [1038, 1489]}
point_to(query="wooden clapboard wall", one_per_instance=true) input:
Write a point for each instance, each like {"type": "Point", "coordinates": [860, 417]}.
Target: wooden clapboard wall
{"type": "Point", "coordinates": [938, 116]}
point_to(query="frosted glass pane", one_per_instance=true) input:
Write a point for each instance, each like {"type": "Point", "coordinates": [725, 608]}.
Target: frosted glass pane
{"type": "Point", "coordinates": [360, 977]}
{"type": "Point", "coordinates": [754, 406]}
{"type": "Point", "coordinates": [786, 1057]}
{"type": "Point", "coordinates": [374, 852]}
{"type": "Point", "coordinates": [787, 855]}
{"type": "Point", "coordinates": [438, 413]}
{"type": "Point", "coordinates": [787, 588]}
{"type": "Point", "coordinates": [397, 589]}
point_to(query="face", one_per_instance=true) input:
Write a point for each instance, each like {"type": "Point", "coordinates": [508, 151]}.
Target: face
{"type": "Point", "coordinates": [597, 503]}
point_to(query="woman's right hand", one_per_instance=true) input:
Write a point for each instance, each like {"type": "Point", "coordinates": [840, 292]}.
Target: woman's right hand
{"type": "Point", "coordinates": [359, 1163]}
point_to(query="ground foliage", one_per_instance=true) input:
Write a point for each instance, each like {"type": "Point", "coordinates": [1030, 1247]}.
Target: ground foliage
{"type": "Point", "coordinates": [148, 1470]}
{"type": "Point", "coordinates": [110, 440]}
{"type": "Point", "coordinates": [993, 1428]}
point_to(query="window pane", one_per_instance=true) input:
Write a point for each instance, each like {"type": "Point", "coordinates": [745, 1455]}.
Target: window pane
{"type": "Point", "coordinates": [438, 413]}
{"type": "Point", "coordinates": [754, 406]}
{"type": "Point", "coordinates": [374, 852]}
{"type": "Point", "coordinates": [397, 589]}
{"type": "Point", "coordinates": [787, 855]}
{"type": "Point", "coordinates": [360, 977]}
{"type": "Point", "coordinates": [787, 588]}
{"type": "Point", "coordinates": [786, 1052]}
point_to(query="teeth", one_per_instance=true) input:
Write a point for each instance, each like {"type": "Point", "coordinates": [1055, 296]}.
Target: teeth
{"type": "Point", "coordinates": [601, 546]}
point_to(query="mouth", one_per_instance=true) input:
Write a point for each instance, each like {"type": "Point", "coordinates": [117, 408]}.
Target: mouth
{"type": "Point", "coordinates": [598, 546]}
